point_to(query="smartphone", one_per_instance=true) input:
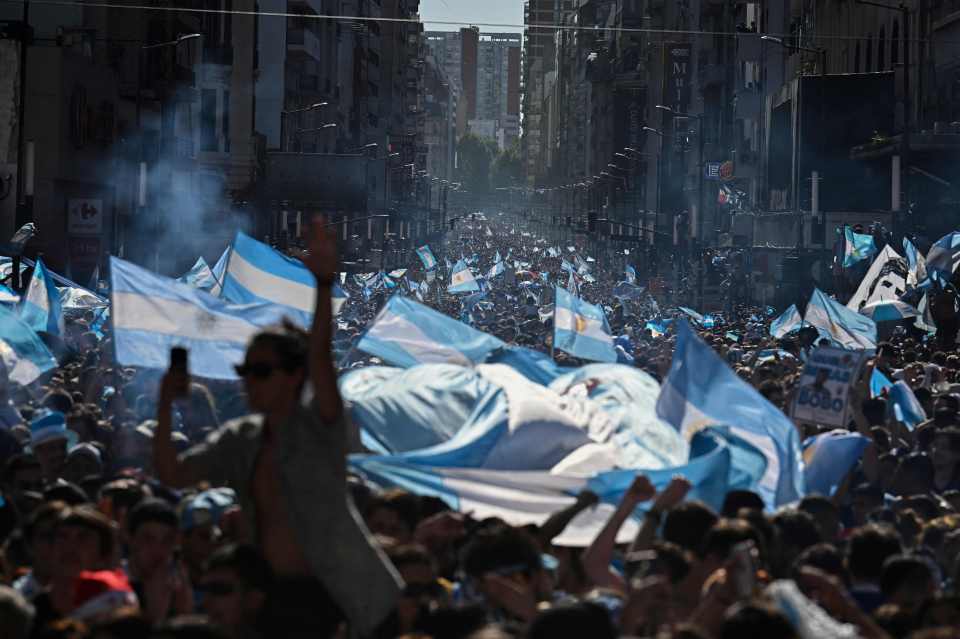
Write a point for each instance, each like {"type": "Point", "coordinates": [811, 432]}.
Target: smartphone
{"type": "Point", "coordinates": [744, 569]}
{"type": "Point", "coordinates": [178, 359]}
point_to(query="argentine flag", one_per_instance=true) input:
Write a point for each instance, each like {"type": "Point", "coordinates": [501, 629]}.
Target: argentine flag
{"type": "Point", "coordinates": [22, 352]}
{"type": "Point", "coordinates": [788, 322]}
{"type": "Point", "coordinates": [581, 329]}
{"type": "Point", "coordinates": [701, 391]}
{"type": "Point", "coordinates": [847, 328]}
{"type": "Point", "coordinates": [828, 458]}
{"type": "Point", "coordinates": [200, 276]}
{"type": "Point", "coordinates": [495, 270]}
{"type": "Point", "coordinates": [944, 256]}
{"type": "Point", "coordinates": [462, 279]}
{"type": "Point", "coordinates": [631, 274]}
{"type": "Point", "coordinates": [858, 247]}
{"type": "Point", "coordinates": [7, 296]}
{"type": "Point", "coordinates": [426, 256]}
{"type": "Point", "coordinates": [406, 333]}
{"type": "Point", "coordinates": [41, 308]}
{"type": "Point", "coordinates": [257, 273]}
{"type": "Point", "coordinates": [151, 314]}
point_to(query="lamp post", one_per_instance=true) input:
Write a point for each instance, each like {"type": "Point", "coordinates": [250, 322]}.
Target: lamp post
{"type": "Point", "coordinates": [298, 112]}
{"type": "Point", "coordinates": [323, 127]}
{"type": "Point", "coordinates": [700, 166]}
{"type": "Point", "coordinates": [659, 134]}
{"type": "Point", "coordinates": [142, 188]}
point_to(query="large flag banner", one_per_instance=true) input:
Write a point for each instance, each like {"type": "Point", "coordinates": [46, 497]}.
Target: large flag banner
{"type": "Point", "coordinates": [916, 264]}
{"type": "Point", "coordinates": [886, 279]}
{"type": "Point", "coordinates": [701, 390]}
{"type": "Point", "coordinates": [788, 322]}
{"type": "Point", "coordinates": [406, 333]}
{"type": "Point", "coordinates": [23, 354]}
{"type": "Point", "coordinates": [7, 296]}
{"type": "Point", "coordinates": [836, 322]}
{"type": "Point", "coordinates": [151, 314]}
{"type": "Point", "coordinates": [258, 273]}
{"type": "Point", "coordinates": [581, 329]}
{"type": "Point", "coordinates": [41, 308]}
{"type": "Point", "coordinates": [631, 274]}
{"type": "Point", "coordinates": [857, 247]}
{"type": "Point", "coordinates": [462, 279]}
{"type": "Point", "coordinates": [427, 258]}
{"type": "Point", "coordinates": [495, 270]}
{"type": "Point", "coordinates": [944, 256]}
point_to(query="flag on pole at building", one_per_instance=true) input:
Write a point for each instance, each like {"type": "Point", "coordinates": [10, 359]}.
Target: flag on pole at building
{"type": "Point", "coordinates": [701, 390]}
{"type": "Point", "coordinates": [151, 313]}
{"type": "Point", "coordinates": [581, 329]}
{"type": "Point", "coordinates": [857, 247]}
{"type": "Point", "coordinates": [40, 307]}
{"type": "Point", "coordinates": [788, 322]}
{"type": "Point", "coordinates": [462, 279]}
{"type": "Point", "coordinates": [22, 353]}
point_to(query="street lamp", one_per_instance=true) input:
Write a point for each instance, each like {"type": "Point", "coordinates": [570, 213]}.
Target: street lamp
{"type": "Point", "coordinates": [284, 114]}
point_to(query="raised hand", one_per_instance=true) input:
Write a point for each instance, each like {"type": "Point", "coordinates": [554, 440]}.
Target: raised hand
{"type": "Point", "coordinates": [673, 494]}
{"type": "Point", "coordinates": [640, 490]}
{"type": "Point", "coordinates": [321, 256]}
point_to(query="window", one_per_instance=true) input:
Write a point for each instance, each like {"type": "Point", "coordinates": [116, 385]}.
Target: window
{"type": "Point", "coordinates": [895, 43]}
{"type": "Point", "coordinates": [208, 120]}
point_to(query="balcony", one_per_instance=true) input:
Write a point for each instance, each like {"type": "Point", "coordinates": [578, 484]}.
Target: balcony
{"type": "Point", "coordinates": [303, 42]}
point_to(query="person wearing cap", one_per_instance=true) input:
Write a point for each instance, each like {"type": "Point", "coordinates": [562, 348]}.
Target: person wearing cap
{"type": "Point", "coordinates": [287, 464]}
{"type": "Point", "coordinates": [83, 461]}
{"type": "Point", "coordinates": [200, 527]}
{"type": "Point", "coordinates": [49, 439]}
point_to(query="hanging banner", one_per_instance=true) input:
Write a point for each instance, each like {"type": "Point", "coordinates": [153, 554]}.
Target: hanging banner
{"type": "Point", "coordinates": [823, 395]}
{"type": "Point", "coordinates": [678, 66]}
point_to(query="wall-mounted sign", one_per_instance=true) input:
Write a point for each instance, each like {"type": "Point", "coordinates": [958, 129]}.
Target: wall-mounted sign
{"type": "Point", "coordinates": [84, 216]}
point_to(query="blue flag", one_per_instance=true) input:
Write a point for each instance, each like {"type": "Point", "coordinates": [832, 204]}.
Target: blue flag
{"type": "Point", "coordinates": [200, 276]}
{"type": "Point", "coordinates": [847, 328]}
{"type": "Point", "coordinates": [905, 406]}
{"type": "Point", "coordinates": [701, 390]}
{"type": "Point", "coordinates": [427, 258]}
{"type": "Point", "coordinates": [944, 256]}
{"type": "Point", "coordinates": [879, 383]}
{"type": "Point", "coordinates": [788, 322]}
{"type": "Point", "coordinates": [40, 307]}
{"type": "Point", "coordinates": [406, 333]}
{"type": "Point", "coordinates": [857, 247]}
{"type": "Point", "coordinates": [151, 313]}
{"type": "Point", "coordinates": [828, 458]}
{"type": "Point", "coordinates": [23, 353]}
{"type": "Point", "coordinates": [581, 329]}
{"type": "Point", "coordinates": [631, 274]}
{"type": "Point", "coordinates": [695, 316]}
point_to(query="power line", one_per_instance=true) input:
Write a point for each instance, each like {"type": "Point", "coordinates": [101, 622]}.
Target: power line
{"type": "Point", "coordinates": [450, 23]}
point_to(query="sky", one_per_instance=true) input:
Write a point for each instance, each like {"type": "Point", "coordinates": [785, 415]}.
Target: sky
{"type": "Point", "coordinates": [472, 12]}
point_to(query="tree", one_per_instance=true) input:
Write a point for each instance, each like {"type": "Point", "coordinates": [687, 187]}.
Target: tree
{"type": "Point", "coordinates": [507, 168]}
{"type": "Point", "coordinates": [473, 163]}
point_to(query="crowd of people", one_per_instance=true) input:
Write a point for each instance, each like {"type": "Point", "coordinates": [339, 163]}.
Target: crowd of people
{"type": "Point", "coordinates": [140, 503]}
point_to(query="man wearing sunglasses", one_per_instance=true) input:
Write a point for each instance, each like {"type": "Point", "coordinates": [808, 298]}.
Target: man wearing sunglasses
{"type": "Point", "coordinates": [287, 464]}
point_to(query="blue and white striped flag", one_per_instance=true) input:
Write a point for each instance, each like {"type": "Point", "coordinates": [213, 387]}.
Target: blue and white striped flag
{"type": "Point", "coordinates": [41, 308]}
{"type": "Point", "coordinates": [462, 279]}
{"type": "Point", "coordinates": [828, 458]}
{"type": "Point", "coordinates": [495, 270]}
{"type": "Point", "coordinates": [701, 390]}
{"type": "Point", "coordinates": [24, 354]}
{"type": "Point", "coordinates": [7, 296]}
{"type": "Point", "coordinates": [631, 274]}
{"type": "Point", "coordinates": [426, 257]}
{"type": "Point", "coordinates": [788, 322]}
{"type": "Point", "coordinates": [839, 324]}
{"type": "Point", "coordinates": [695, 316]}
{"type": "Point", "coordinates": [151, 314]}
{"type": "Point", "coordinates": [258, 273]}
{"type": "Point", "coordinates": [406, 333]}
{"type": "Point", "coordinates": [905, 406]}
{"type": "Point", "coordinates": [220, 271]}
{"type": "Point", "coordinates": [944, 256]}
{"type": "Point", "coordinates": [581, 329]}
{"type": "Point", "coordinates": [200, 276]}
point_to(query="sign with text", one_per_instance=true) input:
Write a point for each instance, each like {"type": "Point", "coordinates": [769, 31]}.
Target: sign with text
{"type": "Point", "coordinates": [712, 171]}
{"type": "Point", "coordinates": [824, 391]}
{"type": "Point", "coordinates": [84, 216]}
{"type": "Point", "coordinates": [678, 65]}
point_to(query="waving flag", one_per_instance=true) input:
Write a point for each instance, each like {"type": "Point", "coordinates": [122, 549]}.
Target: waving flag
{"type": "Point", "coordinates": [581, 329]}
{"type": "Point", "coordinates": [40, 308]}
{"type": "Point", "coordinates": [857, 247]}
{"type": "Point", "coordinates": [151, 314]}
{"type": "Point", "coordinates": [879, 383]}
{"type": "Point", "coordinates": [944, 256]}
{"type": "Point", "coordinates": [631, 274]}
{"type": "Point", "coordinates": [828, 458]}
{"type": "Point", "coordinates": [7, 296]}
{"type": "Point", "coordinates": [701, 390]}
{"type": "Point", "coordinates": [22, 352]}
{"type": "Point", "coordinates": [426, 257]}
{"type": "Point", "coordinates": [572, 286]}
{"type": "Point", "coordinates": [839, 324]}
{"type": "Point", "coordinates": [567, 266]}
{"type": "Point", "coordinates": [220, 271]}
{"type": "Point", "coordinates": [905, 406]}
{"type": "Point", "coordinates": [258, 273]}
{"type": "Point", "coordinates": [462, 279]}
{"type": "Point", "coordinates": [406, 333]}
{"type": "Point", "coordinates": [553, 252]}
{"type": "Point", "coordinates": [916, 264]}
{"type": "Point", "coordinates": [788, 322]}
{"type": "Point", "coordinates": [200, 276]}
{"type": "Point", "coordinates": [495, 270]}
{"type": "Point", "coordinates": [886, 279]}
{"type": "Point", "coordinates": [695, 316]}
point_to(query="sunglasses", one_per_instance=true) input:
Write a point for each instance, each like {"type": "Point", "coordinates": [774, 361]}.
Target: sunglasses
{"type": "Point", "coordinates": [258, 370]}
{"type": "Point", "coordinates": [217, 588]}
